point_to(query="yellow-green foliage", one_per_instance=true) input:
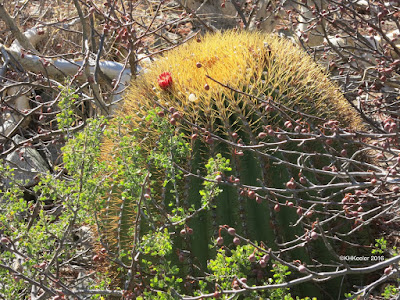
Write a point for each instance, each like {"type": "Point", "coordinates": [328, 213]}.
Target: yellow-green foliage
{"type": "Point", "coordinates": [259, 64]}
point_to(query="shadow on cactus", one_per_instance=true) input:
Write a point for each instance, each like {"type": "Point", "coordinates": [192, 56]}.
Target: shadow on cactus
{"type": "Point", "coordinates": [230, 139]}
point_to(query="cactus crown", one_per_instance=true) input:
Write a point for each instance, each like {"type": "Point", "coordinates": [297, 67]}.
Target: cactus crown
{"type": "Point", "coordinates": [265, 66]}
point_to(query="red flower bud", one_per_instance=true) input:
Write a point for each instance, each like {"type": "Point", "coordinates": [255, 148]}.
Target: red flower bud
{"type": "Point", "coordinates": [165, 80]}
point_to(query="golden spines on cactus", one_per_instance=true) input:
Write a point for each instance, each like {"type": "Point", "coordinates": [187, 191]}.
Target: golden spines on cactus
{"type": "Point", "coordinates": [258, 64]}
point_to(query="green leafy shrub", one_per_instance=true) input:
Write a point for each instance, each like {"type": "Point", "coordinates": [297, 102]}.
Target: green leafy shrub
{"type": "Point", "coordinates": [37, 235]}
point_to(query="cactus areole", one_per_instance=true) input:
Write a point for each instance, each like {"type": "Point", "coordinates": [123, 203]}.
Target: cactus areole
{"type": "Point", "coordinates": [227, 95]}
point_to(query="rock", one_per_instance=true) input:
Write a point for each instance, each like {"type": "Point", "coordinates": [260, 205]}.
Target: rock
{"type": "Point", "coordinates": [53, 153]}
{"type": "Point", "coordinates": [17, 101]}
{"type": "Point", "coordinates": [217, 17]}
{"type": "Point", "coordinates": [6, 126]}
{"type": "Point", "coordinates": [83, 236]}
{"type": "Point", "coordinates": [27, 162]}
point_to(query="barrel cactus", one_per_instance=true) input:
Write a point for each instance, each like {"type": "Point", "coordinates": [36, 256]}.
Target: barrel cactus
{"type": "Point", "coordinates": [227, 139]}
